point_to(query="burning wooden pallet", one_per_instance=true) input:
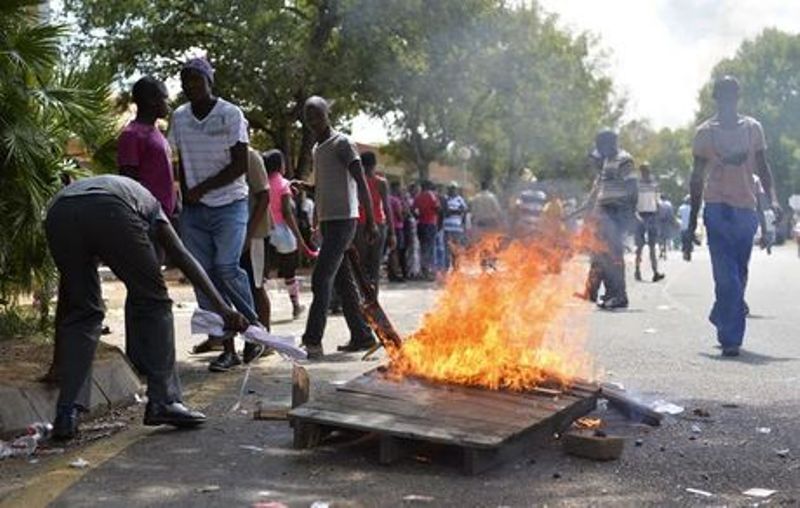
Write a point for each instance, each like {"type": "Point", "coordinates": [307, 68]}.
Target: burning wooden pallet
{"type": "Point", "coordinates": [486, 426]}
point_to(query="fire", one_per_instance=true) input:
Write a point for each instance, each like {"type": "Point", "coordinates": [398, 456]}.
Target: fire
{"type": "Point", "coordinates": [587, 422]}
{"type": "Point", "coordinates": [510, 323]}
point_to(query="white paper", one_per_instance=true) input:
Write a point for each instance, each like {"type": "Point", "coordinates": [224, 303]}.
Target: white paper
{"type": "Point", "coordinates": [699, 492]}
{"type": "Point", "coordinates": [209, 323]}
{"type": "Point", "coordinates": [664, 407]}
{"type": "Point", "coordinates": [759, 492]}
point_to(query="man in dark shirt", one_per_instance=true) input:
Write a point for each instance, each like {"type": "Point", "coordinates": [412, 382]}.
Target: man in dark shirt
{"type": "Point", "coordinates": [116, 220]}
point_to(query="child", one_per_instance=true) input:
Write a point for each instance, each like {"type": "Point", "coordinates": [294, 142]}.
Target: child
{"type": "Point", "coordinates": [285, 237]}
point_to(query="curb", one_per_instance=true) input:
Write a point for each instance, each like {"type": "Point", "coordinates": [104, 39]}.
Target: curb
{"type": "Point", "coordinates": [114, 384]}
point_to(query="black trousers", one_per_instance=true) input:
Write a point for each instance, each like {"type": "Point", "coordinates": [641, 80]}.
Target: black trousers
{"type": "Point", "coordinates": [81, 231]}
{"type": "Point", "coordinates": [333, 270]}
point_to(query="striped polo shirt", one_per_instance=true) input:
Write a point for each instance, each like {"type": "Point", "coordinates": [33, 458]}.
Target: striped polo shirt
{"type": "Point", "coordinates": [205, 148]}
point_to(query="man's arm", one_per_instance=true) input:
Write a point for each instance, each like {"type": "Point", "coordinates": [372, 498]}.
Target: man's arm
{"type": "Point", "coordinates": [288, 215]}
{"type": "Point", "coordinates": [357, 172]}
{"type": "Point", "coordinates": [764, 172]}
{"type": "Point", "coordinates": [176, 251]}
{"type": "Point", "coordinates": [257, 217]}
{"type": "Point", "coordinates": [696, 183]}
{"type": "Point", "coordinates": [231, 172]}
{"type": "Point", "coordinates": [383, 188]}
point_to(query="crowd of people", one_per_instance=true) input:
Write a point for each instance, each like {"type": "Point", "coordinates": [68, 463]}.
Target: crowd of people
{"type": "Point", "coordinates": [227, 216]}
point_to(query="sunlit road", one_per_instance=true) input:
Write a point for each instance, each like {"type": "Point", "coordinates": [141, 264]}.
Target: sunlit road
{"type": "Point", "coordinates": [662, 347]}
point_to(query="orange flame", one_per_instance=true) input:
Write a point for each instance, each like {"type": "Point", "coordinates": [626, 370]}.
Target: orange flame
{"type": "Point", "coordinates": [511, 323]}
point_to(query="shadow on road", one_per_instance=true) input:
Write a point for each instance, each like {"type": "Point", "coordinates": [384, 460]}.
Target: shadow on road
{"type": "Point", "coordinates": [750, 358]}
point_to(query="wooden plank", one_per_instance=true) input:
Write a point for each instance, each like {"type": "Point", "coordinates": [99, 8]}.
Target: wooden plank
{"type": "Point", "coordinates": [377, 422]}
{"type": "Point", "coordinates": [490, 402]}
{"type": "Point", "coordinates": [301, 387]}
{"type": "Point", "coordinates": [630, 408]}
{"type": "Point", "coordinates": [460, 423]}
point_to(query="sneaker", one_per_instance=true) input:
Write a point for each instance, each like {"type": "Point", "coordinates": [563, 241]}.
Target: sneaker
{"type": "Point", "coordinates": [224, 362]}
{"type": "Point", "coordinates": [355, 346]}
{"type": "Point", "coordinates": [637, 275]}
{"type": "Point", "coordinates": [252, 352]}
{"type": "Point", "coordinates": [658, 276]}
{"type": "Point", "coordinates": [314, 351]}
{"type": "Point", "coordinates": [297, 310]}
{"type": "Point", "coordinates": [730, 351]}
{"type": "Point", "coordinates": [614, 302]}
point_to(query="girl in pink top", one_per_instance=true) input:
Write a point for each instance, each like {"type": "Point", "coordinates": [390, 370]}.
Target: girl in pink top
{"type": "Point", "coordinates": [285, 238]}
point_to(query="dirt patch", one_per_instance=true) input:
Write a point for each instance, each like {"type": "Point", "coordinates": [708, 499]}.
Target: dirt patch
{"type": "Point", "coordinates": [26, 360]}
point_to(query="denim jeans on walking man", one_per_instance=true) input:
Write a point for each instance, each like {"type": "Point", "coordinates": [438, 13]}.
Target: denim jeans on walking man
{"type": "Point", "coordinates": [730, 241]}
{"type": "Point", "coordinates": [215, 236]}
{"type": "Point", "coordinates": [427, 247]}
{"type": "Point", "coordinates": [613, 223]}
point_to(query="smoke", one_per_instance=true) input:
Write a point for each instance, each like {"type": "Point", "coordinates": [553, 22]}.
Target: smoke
{"type": "Point", "coordinates": [662, 51]}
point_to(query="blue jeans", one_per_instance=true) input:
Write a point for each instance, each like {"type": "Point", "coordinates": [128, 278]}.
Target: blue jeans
{"type": "Point", "coordinates": [427, 246]}
{"type": "Point", "coordinates": [215, 236]}
{"type": "Point", "coordinates": [730, 242]}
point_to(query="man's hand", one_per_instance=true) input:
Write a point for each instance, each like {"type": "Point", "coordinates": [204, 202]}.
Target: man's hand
{"type": "Point", "coordinates": [392, 241]}
{"type": "Point", "coordinates": [776, 207]}
{"type": "Point", "coordinates": [371, 230]}
{"type": "Point", "coordinates": [235, 321]}
{"type": "Point", "coordinates": [193, 195]}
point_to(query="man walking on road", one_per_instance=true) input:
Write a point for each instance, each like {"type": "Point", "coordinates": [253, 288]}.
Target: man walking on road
{"type": "Point", "coordinates": [615, 197]}
{"type": "Point", "coordinates": [647, 222]}
{"type": "Point", "coordinates": [211, 136]}
{"type": "Point", "coordinates": [339, 183]}
{"type": "Point", "coordinates": [729, 149]}
{"type": "Point", "coordinates": [117, 221]}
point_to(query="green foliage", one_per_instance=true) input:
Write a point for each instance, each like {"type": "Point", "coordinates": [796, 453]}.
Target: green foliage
{"type": "Point", "coordinates": [42, 106]}
{"type": "Point", "coordinates": [768, 68]}
{"type": "Point", "coordinates": [479, 73]}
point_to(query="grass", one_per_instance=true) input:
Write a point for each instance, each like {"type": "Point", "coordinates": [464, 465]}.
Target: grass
{"type": "Point", "coordinates": [23, 322]}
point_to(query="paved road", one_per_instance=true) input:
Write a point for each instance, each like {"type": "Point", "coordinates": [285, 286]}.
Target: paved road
{"type": "Point", "coordinates": [661, 348]}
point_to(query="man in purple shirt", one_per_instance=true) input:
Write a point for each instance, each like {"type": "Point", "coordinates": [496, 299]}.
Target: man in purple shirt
{"type": "Point", "coordinates": [143, 153]}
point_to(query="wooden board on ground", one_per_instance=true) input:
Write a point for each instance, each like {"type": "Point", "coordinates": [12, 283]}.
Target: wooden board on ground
{"type": "Point", "coordinates": [487, 426]}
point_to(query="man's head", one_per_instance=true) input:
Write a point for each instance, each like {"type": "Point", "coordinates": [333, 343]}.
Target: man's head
{"type": "Point", "coordinates": [369, 161]}
{"type": "Point", "coordinates": [606, 143]}
{"type": "Point", "coordinates": [644, 170]}
{"type": "Point", "coordinates": [273, 161]}
{"type": "Point", "coordinates": [486, 184]}
{"type": "Point", "coordinates": [150, 96]}
{"type": "Point", "coordinates": [413, 188]}
{"type": "Point", "coordinates": [315, 114]}
{"type": "Point", "coordinates": [428, 185]}
{"type": "Point", "coordinates": [394, 188]}
{"type": "Point", "coordinates": [452, 189]}
{"type": "Point", "coordinates": [726, 92]}
{"type": "Point", "coordinates": [197, 76]}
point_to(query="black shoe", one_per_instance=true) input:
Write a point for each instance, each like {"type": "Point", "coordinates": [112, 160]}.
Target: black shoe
{"type": "Point", "coordinates": [175, 414]}
{"type": "Point", "coordinates": [730, 352]}
{"type": "Point", "coordinates": [658, 276]}
{"type": "Point", "coordinates": [65, 426]}
{"type": "Point", "coordinates": [637, 275]}
{"type": "Point", "coordinates": [615, 302]}
{"type": "Point", "coordinates": [297, 310]}
{"type": "Point", "coordinates": [313, 351]}
{"type": "Point", "coordinates": [355, 346]}
{"type": "Point", "coordinates": [252, 352]}
{"type": "Point", "coordinates": [224, 362]}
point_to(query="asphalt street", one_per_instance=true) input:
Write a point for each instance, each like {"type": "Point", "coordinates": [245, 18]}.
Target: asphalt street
{"type": "Point", "coordinates": [661, 348]}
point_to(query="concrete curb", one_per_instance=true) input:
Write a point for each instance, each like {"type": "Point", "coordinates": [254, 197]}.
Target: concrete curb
{"type": "Point", "coordinates": [114, 384]}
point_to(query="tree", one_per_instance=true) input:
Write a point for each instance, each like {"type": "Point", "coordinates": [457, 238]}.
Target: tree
{"type": "Point", "coordinates": [42, 106]}
{"type": "Point", "coordinates": [768, 69]}
{"type": "Point", "coordinates": [269, 55]}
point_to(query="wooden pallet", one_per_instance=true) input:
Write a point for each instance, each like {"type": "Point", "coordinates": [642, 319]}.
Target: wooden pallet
{"type": "Point", "coordinates": [486, 426]}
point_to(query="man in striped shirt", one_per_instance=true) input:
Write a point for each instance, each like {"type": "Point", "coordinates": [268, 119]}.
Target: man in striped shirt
{"type": "Point", "coordinates": [211, 137]}
{"type": "Point", "coordinates": [647, 221]}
